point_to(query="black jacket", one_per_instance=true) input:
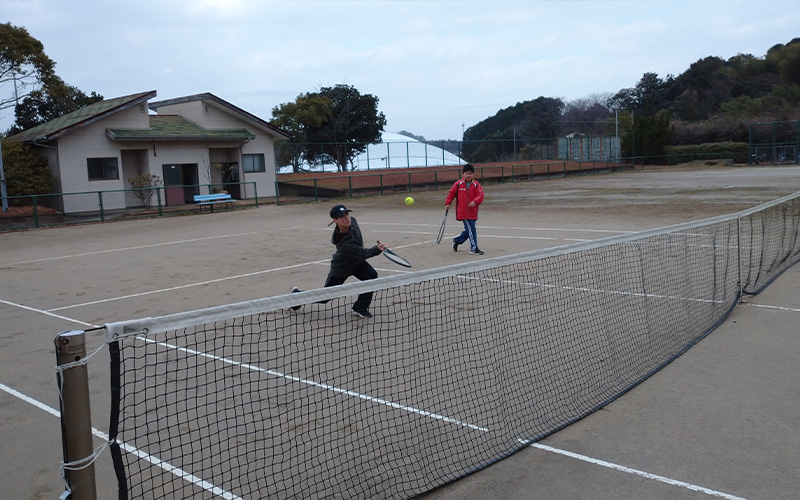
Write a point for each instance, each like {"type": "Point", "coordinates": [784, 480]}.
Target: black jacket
{"type": "Point", "coordinates": [350, 251]}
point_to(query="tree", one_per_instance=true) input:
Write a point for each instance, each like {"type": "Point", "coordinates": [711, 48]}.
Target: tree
{"type": "Point", "coordinates": [334, 124]}
{"type": "Point", "coordinates": [789, 65]}
{"type": "Point", "coordinates": [23, 64]}
{"type": "Point", "coordinates": [308, 112]}
{"type": "Point", "coordinates": [26, 172]}
{"type": "Point", "coordinates": [354, 122]}
{"type": "Point", "coordinates": [54, 99]}
{"type": "Point", "coordinates": [652, 132]}
{"type": "Point", "coordinates": [588, 115]}
{"type": "Point", "coordinates": [516, 126]}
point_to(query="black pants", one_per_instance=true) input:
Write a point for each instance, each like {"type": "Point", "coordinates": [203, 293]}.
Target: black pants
{"type": "Point", "coordinates": [363, 272]}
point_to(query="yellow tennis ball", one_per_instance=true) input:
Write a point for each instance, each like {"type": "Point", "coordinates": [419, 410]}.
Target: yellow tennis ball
{"type": "Point", "coordinates": [409, 201]}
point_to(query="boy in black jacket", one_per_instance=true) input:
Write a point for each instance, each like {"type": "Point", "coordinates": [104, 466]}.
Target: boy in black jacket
{"type": "Point", "coordinates": [350, 258]}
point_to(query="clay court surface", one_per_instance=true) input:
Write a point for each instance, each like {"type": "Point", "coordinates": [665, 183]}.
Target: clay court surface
{"type": "Point", "coordinates": [719, 422]}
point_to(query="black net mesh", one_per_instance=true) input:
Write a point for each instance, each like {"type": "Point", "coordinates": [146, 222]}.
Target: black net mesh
{"type": "Point", "coordinates": [457, 368]}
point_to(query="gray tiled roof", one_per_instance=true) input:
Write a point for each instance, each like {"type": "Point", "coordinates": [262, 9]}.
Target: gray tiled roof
{"type": "Point", "coordinates": [176, 128]}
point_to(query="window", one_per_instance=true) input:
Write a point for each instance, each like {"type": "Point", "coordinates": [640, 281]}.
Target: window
{"type": "Point", "coordinates": [101, 169]}
{"type": "Point", "coordinates": [253, 163]}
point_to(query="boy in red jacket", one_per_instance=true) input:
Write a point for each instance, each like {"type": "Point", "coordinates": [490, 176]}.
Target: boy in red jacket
{"type": "Point", "coordinates": [468, 194]}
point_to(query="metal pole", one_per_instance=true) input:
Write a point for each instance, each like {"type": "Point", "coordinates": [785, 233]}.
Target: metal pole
{"type": "Point", "coordinates": [76, 417]}
{"type": "Point", "coordinates": [515, 143]}
{"type": "Point", "coordinates": [3, 192]}
{"type": "Point", "coordinates": [616, 133]}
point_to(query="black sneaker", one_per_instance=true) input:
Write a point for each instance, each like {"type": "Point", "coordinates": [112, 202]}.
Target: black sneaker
{"type": "Point", "coordinates": [295, 290]}
{"type": "Point", "coordinates": [362, 314]}
{"type": "Point", "coordinates": [455, 246]}
{"type": "Point", "coordinates": [477, 251]}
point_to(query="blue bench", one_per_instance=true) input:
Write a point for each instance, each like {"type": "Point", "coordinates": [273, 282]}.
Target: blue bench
{"type": "Point", "coordinates": [212, 199]}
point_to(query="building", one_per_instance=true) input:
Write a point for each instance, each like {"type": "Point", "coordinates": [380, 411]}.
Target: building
{"type": "Point", "coordinates": [194, 144]}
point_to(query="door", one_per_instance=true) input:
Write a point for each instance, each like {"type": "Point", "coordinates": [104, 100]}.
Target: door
{"type": "Point", "coordinates": [180, 183]}
{"type": "Point", "coordinates": [230, 179]}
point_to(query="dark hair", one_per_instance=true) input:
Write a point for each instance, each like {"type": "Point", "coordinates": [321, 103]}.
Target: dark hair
{"type": "Point", "coordinates": [468, 168]}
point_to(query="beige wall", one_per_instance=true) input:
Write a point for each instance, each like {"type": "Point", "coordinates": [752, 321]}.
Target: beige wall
{"type": "Point", "coordinates": [91, 142]}
{"type": "Point", "coordinates": [211, 117]}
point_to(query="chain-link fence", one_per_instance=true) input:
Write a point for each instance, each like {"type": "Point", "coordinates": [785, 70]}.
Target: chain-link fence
{"type": "Point", "coordinates": [61, 209]}
{"type": "Point", "coordinates": [774, 143]}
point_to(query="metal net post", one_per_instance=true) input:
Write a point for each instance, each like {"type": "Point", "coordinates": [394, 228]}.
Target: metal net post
{"type": "Point", "coordinates": [76, 420]}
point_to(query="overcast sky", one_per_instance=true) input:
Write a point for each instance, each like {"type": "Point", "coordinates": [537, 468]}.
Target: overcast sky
{"type": "Point", "coordinates": [436, 66]}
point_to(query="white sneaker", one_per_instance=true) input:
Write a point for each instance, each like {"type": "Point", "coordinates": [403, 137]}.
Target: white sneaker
{"type": "Point", "coordinates": [362, 314]}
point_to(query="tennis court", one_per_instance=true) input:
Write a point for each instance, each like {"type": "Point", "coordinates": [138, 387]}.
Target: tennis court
{"type": "Point", "coordinates": [721, 417]}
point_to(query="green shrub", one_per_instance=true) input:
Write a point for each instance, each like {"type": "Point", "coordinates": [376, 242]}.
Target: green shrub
{"type": "Point", "coordinates": [736, 151]}
{"type": "Point", "coordinates": [25, 171]}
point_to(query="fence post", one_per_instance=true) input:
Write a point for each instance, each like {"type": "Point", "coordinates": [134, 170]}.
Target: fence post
{"type": "Point", "coordinates": [100, 201]}
{"type": "Point", "coordinates": [76, 417]}
{"type": "Point", "coordinates": [35, 212]}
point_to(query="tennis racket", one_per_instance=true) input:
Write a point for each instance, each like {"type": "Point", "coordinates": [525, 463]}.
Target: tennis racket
{"type": "Point", "coordinates": [396, 258]}
{"type": "Point", "coordinates": [441, 229]}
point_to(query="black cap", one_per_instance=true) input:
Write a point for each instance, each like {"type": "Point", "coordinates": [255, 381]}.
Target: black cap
{"type": "Point", "coordinates": [339, 210]}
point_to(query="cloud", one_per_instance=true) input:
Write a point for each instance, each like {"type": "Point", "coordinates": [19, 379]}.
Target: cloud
{"type": "Point", "coordinates": [432, 64]}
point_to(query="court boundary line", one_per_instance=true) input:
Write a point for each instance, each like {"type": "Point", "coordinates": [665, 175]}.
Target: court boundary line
{"type": "Point", "coordinates": [177, 471]}
{"type": "Point", "coordinates": [636, 472]}
{"type": "Point", "coordinates": [125, 249]}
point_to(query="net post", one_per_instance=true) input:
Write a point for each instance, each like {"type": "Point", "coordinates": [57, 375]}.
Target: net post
{"type": "Point", "coordinates": [76, 421]}
{"type": "Point", "coordinates": [740, 285]}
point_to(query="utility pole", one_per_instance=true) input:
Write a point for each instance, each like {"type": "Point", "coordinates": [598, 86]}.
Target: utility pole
{"type": "Point", "coordinates": [515, 143]}
{"type": "Point", "coordinates": [3, 192]}
{"type": "Point", "coordinates": [616, 131]}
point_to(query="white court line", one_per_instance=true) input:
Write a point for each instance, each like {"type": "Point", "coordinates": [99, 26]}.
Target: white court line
{"type": "Point", "coordinates": [46, 313]}
{"type": "Point", "coordinates": [590, 290]}
{"type": "Point", "coordinates": [130, 449]}
{"type": "Point", "coordinates": [780, 308]}
{"type": "Point", "coordinates": [125, 249]}
{"type": "Point", "coordinates": [190, 285]}
{"type": "Point", "coordinates": [30, 400]}
{"type": "Point", "coordinates": [320, 385]}
{"type": "Point", "coordinates": [515, 228]}
{"type": "Point", "coordinates": [647, 475]}
{"type": "Point", "coordinates": [217, 280]}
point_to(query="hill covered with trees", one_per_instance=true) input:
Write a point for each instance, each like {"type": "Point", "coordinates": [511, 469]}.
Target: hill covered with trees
{"type": "Point", "coordinates": [714, 100]}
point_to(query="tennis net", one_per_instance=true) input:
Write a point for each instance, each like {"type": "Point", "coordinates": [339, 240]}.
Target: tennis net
{"type": "Point", "coordinates": [458, 368]}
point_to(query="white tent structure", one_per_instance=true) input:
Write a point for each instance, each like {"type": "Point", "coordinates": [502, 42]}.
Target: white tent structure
{"type": "Point", "coordinates": [400, 151]}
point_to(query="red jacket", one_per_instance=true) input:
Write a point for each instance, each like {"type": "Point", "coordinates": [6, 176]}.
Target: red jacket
{"type": "Point", "coordinates": [463, 196]}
